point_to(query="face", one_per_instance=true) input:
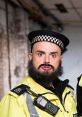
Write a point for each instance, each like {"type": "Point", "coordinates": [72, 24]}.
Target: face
{"type": "Point", "coordinates": [45, 57]}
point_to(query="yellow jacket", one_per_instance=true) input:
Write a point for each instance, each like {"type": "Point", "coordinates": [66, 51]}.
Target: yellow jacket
{"type": "Point", "coordinates": [13, 105]}
{"type": "Point", "coordinates": [79, 95]}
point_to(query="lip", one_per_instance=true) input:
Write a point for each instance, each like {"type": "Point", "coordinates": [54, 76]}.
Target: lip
{"type": "Point", "coordinates": [46, 68]}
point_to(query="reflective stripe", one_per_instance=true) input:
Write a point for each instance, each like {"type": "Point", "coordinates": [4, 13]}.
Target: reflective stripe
{"type": "Point", "coordinates": [30, 106]}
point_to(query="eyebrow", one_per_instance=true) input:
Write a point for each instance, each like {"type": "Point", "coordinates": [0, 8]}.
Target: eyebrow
{"type": "Point", "coordinates": [53, 52]}
{"type": "Point", "coordinates": [45, 52]}
{"type": "Point", "coordinates": [40, 51]}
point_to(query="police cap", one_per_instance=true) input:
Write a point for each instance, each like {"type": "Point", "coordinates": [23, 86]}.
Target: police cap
{"type": "Point", "coordinates": [49, 36]}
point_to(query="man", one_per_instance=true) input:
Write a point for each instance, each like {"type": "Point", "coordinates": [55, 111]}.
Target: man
{"type": "Point", "coordinates": [42, 93]}
{"type": "Point", "coordinates": [79, 95]}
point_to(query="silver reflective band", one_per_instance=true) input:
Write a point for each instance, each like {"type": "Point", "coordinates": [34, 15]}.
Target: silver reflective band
{"type": "Point", "coordinates": [49, 39]}
{"type": "Point", "coordinates": [30, 106]}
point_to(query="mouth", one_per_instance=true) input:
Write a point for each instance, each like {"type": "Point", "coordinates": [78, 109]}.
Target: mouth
{"type": "Point", "coordinates": [46, 67]}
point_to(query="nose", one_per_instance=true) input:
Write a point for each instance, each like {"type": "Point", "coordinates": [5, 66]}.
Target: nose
{"type": "Point", "coordinates": [47, 59]}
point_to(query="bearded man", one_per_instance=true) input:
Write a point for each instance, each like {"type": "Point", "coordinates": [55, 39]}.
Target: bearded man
{"type": "Point", "coordinates": [42, 93]}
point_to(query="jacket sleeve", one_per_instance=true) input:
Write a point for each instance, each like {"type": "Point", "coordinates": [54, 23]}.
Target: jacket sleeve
{"type": "Point", "coordinates": [79, 95]}
{"type": "Point", "coordinates": [5, 106]}
{"type": "Point", "coordinates": [10, 106]}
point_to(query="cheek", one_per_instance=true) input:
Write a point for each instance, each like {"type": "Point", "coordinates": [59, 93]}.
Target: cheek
{"type": "Point", "coordinates": [56, 63]}
{"type": "Point", "coordinates": [36, 62]}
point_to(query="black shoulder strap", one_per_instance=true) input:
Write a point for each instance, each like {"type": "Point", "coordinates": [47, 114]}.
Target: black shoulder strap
{"type": "Point", "coordinates": [20, 89]}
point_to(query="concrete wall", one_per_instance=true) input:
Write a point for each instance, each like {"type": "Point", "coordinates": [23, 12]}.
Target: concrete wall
{"type": "Point", "coordinates": [13, 46]}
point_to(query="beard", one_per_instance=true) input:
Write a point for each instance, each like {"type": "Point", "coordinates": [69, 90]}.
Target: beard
{"type": "Point", "coordinates": [44, 78]}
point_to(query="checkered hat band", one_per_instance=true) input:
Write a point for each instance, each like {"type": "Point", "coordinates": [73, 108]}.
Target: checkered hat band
{"type": "Point", "coordinates": [48, 39]}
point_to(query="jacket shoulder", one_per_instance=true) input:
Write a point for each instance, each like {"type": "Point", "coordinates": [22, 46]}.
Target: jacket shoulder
{"type": "Point", "coordinates": [70, 90]}
{"type": "Point", "coordinates": [70, 87]}
{"type": "Point", "coordinates": [19, 90]}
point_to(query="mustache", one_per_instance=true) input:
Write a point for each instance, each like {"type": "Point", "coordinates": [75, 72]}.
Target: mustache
{"type": "Point", "coordinates": [47, 65]}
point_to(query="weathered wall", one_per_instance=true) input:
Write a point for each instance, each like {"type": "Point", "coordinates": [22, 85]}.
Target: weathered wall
{"type": "Point", "coordinates": [14, 26]}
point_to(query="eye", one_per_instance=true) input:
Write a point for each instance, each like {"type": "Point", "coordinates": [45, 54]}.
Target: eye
{"type": "Point", "coordinates": [39, 54]}
{"type": "Point", "coordinates": [53, 55]}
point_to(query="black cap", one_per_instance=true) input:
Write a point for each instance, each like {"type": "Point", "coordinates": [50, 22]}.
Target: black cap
{"type": "Point", "coordinates": [49, 36]}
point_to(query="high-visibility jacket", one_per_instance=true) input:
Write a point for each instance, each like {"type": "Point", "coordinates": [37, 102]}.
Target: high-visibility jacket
{"type": "Point", "coordinates": [14, 105]}
{"type": "Point", "coordinates": [79, 95]}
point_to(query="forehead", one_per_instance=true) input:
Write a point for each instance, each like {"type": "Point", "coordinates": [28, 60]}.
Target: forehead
{"type": "Point", "coordinates": [46, 46]}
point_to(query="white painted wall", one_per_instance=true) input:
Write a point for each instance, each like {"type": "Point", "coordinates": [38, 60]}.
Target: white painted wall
{"type": "Point", "coordinates": [72, 59]}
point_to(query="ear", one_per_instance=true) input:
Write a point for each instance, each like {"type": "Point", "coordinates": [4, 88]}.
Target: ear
{"type": "Point", "coordinates": [30, 56]}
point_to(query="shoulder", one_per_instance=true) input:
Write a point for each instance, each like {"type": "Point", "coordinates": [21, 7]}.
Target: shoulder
{"type": "Point", "coordinates": [20, 89]}
{"type": "Point", "coordinates": [70, 87]}
{"type": "Point", "coordinates": [14, 94]}
{"type": "Point", "coordinates": [69, 90]}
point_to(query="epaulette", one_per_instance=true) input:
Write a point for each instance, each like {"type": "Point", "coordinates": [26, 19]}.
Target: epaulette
{"type": "Point", "coordinates": [20, 89]}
